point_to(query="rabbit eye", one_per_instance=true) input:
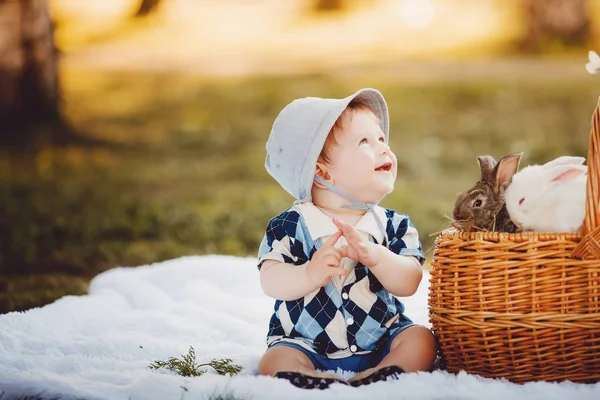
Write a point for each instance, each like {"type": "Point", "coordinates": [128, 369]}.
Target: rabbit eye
{"type": "Point", "coordinates": [477, 203]}
{"type": "Point", "coordinates": [522, 200]}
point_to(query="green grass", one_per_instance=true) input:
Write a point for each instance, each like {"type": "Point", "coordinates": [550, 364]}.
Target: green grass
{"type": "Point", "coordinates": [187, 365]}
{"type": "Point", "coordinates": [179, 169]}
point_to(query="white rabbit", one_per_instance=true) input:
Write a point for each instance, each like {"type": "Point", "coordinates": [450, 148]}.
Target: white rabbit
{"type": "Point", "coordinates": [549, 197]}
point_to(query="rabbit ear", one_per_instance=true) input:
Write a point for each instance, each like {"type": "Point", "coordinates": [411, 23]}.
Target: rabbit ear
{"type": "Point", "coordinates": [486, 165]}
{"type": "Point", "coordinates": [564, 160]}
{"type": "Point", "coordinates": [564, 173]}
{"type": "Point", "coordinates": [506, 168]}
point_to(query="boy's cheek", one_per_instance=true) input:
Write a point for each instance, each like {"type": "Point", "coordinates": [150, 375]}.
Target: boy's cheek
{"type": "Point", "coordinates": [394, 164]}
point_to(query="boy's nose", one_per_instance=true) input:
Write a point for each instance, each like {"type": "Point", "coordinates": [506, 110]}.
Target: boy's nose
{"type": "Point", "coordinates": [385, 148]}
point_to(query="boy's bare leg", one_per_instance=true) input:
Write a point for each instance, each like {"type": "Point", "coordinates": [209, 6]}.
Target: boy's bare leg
{"type": "Point", "coordinates": [413, 349]}
{"type": "Point", "coordinates": [284, 358]}
{"type": "Point", "coordinates": [288, 359]}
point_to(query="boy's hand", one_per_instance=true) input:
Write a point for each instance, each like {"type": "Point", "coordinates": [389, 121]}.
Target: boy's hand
{"type": "Point", "coordinates": [358, 249]}
{"type": "Point", "coordinates": [325, 263]}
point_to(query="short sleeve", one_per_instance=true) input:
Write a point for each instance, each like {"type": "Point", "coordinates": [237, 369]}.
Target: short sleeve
{"type": "Point", "coordinates": [403, 236]}
{"type": "Point", "coordinates": [284, 240]}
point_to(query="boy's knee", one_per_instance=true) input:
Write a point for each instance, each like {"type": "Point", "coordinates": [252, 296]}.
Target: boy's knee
{"type": "Point", "coordinates": [269, 364]}
{"type": "Point", "coordinates": [416, 335]}
{"type": "Point", "coordinates": [425, 340]}
{"type": "Point", "coordinates": [416, 349]}
{"type": "Point", "coordinates": [266, 367]}
{"type": "Point", "coordinates": [428, 347]}
{"type": "Point", "coordinates": [429, 338]}
{"type": "Point", "coordinates": [283, 358]}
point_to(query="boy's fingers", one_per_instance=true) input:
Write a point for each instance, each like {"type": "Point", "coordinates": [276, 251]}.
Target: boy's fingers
{"type": "Point", "coordinates": [337, 222]}
{"type": "Point", "coordinates": [336, 271]}
{"type": "Point", "coordinates": [347, 229]}
{"type": "Point", "coordinates": [344, 227]}
{"type": "Point", "coordinates": [333, 259]}
{"type": "Point", "coordinates": [358, 246]}
{"type": "Point", "coordinates": [351, 234]}
{"type": "Point", "coordinates": [333, 239]}
{"type": "Point", "coordinates": [343, 251]}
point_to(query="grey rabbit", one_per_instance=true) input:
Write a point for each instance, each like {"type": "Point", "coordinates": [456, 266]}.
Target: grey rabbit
{"type": "Point", "coordinates": [482, 207]}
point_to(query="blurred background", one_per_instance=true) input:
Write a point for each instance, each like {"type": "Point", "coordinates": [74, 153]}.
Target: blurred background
{"type": "Point", "coordinates": [134, 131]}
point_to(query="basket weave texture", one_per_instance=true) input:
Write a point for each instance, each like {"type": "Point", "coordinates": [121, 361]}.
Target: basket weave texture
{"type": "Point", "coordinates": [522, 306]}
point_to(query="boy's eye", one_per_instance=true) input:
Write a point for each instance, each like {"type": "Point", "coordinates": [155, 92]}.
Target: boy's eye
{"type": "Point", "coordinates": [382, 139]}
{"type": "Point", "coordinates": [364, 141]}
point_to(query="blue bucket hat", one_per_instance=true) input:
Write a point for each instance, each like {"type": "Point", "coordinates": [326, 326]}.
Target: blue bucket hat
{"type": "Point", "coordinates": [299, 133]}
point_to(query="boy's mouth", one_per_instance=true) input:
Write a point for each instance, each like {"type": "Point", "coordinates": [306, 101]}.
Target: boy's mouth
{"type": "Point", "coordinates": [385, 167]}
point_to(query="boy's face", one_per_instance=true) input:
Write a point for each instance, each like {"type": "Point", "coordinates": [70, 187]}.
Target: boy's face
{"type": "Point", "coordinates": [362, 164]}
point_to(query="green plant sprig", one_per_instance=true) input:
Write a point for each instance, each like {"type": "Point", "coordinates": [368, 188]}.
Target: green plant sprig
{"type": "Point", "coordinates": [186, 366]}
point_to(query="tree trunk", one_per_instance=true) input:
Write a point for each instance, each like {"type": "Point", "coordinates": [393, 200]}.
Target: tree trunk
{"type": "Point", "coordinates": [328, 5]}
{"type": "Point", "coordinates": [29, 86]}
{"type": "Point", "coordinates": [146, 7]}
{"type": "Point", "coordinates": [551, 22]}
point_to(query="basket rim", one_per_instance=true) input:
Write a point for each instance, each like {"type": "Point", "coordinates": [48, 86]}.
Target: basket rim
{"type": "Point", "coordinates": [455, 234]}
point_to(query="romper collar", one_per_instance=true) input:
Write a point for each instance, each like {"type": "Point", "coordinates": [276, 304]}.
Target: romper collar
{"type": "Point", "coordinates": [320, 225]}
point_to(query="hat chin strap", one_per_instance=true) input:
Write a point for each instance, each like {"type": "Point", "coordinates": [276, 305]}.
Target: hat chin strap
{"type": "Point", "coordinates": [356, 204]}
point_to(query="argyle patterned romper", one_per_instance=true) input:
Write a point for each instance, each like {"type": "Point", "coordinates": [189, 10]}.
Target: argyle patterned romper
{"type": "Point", "coordinates": [351, 314]}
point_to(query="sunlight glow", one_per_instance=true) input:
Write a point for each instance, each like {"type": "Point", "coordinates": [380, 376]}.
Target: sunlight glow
{"type": "Point", "coordinates": [417, 14]}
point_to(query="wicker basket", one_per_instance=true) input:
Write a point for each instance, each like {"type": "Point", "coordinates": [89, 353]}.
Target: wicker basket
{"type": "Point", "coordinates": [522, 306]}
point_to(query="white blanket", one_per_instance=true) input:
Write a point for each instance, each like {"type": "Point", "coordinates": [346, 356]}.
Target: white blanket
{"type": "Point", "coordinates": [99, 346]}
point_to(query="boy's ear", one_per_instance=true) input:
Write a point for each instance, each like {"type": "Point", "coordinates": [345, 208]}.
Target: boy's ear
{"type": "Point", "coordinates": [321, 172]}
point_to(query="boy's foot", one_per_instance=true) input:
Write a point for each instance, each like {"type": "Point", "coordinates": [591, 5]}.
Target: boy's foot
{"type": "Point", "coordinates": [305, 380]}
{"type": "Point", "coordinates": [375, 375]}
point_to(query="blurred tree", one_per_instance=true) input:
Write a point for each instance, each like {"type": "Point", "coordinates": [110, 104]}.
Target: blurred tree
{"type": "Point", "coordinates": [146, 7]}
{"type": "Point", "coordinates": [29, 85]}
{"type": "Point", "coordinates": [328, 5]}
{"type": "Point", "coordinates": [551, 22]}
